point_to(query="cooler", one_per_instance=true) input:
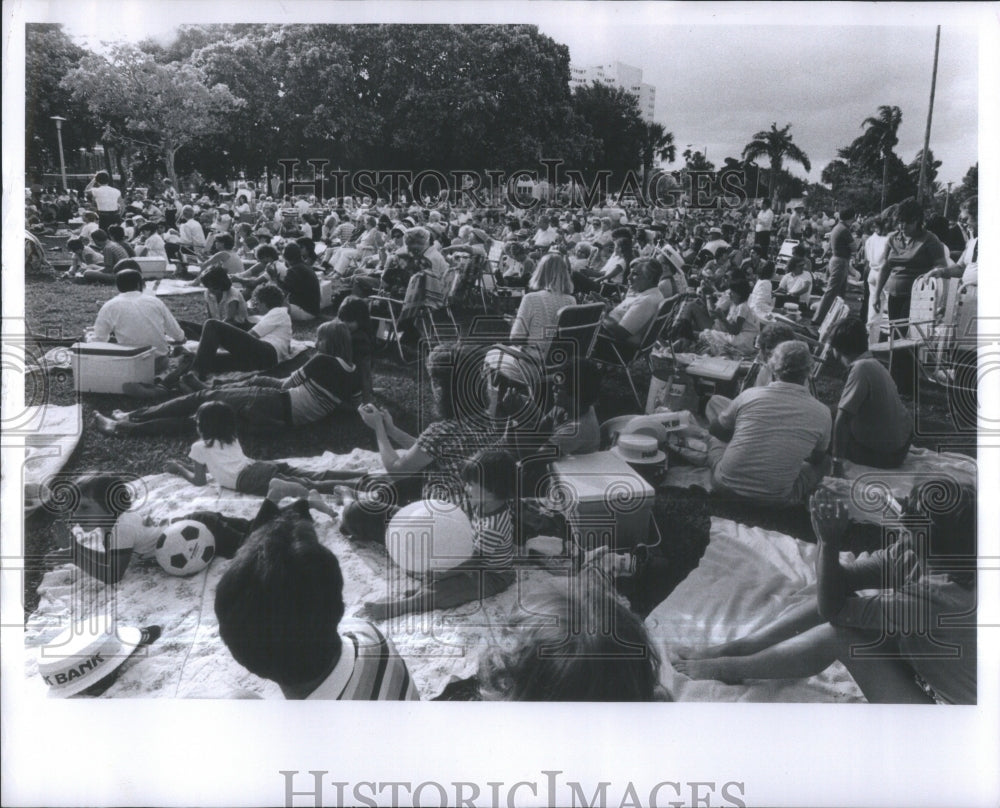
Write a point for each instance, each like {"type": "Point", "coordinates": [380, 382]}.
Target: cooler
{"type": "Point", "coordinates": [104, 367]}
{"type": "Point", "coordinates": [715, 375]}
{"type": "Point", "coordinates": [154, 266]}
{"type": "Point", "coordinates": [605, 501]}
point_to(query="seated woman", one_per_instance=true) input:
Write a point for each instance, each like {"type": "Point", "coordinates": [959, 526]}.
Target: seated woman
{"type": "Point", "coordinates": [796, 284]}
{"type": "Point", "coordinates": [225, 257]}
{"type": "Point", "coordinates": [266, 268]}
{"type": "Point", "coordinates": [222, 302]}
{"type": "Point", "coordinates": [515, 266]}
{"type": "Point", "coordinates": [761, 299]}
{"type": "Point", "coordinates": [912, 642]}
{"type": "Point", "coordinates": [615, 269]}
{"type": "Point", "coordinates": [535, 322]}
{"type": "Point", "coordinates": [736, 334]}
{"type": "Point", "coordinates": [872, 426]}
{"type": "Point", "coordinates": [326, 383]}
{"type": "Point", "coordinates": [429, 465]}
{"type": "Point", "coordinates": [263, 346]}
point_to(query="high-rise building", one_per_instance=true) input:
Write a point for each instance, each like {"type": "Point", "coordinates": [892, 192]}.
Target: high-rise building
{"type": "Point", "coordinates": [618, 74]}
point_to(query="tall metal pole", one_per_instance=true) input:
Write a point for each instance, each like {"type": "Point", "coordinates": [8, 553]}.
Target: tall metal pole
{"type": "Point", "coordinates": [930, 113]}
{"type": "Point", "coordinates": [62, 159]}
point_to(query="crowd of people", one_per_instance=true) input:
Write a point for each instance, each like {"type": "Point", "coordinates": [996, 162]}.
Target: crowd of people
{"type": "Point", "coordinates": [263, 264]}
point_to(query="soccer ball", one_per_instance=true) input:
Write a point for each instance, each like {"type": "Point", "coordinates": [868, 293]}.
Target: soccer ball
{"type": "Point", "coordinates": [185, 547]}
{"type": "Point", "coordinates": [429, 535]}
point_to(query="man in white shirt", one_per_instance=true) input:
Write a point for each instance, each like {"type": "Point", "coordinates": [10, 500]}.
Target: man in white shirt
{"type": "Point", "coordinates": [108, 200]}
{"type": "Point", "coordinates": [627, 322]}
{"type": "Point", "coordinates": [546, 234]}
{"type": "Point", "coordinates": [136, 319]}
{"type": "Point", "coordinates": [190, 231]}
{"type": "Point", "coordinates": [764, 225]}
{"type": "Point", "coordinates": [715, 240]}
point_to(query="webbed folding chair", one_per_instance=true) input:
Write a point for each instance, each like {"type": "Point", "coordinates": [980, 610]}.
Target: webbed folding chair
{"type": "Point", "coordinates": [623, 356]}
{"type": "Point", "coordinates": [916, 336]}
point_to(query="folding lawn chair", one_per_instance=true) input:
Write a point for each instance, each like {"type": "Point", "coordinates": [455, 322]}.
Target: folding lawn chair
{"type": "Point", "coordinates": [821, 344]}
{"type": "Point", "coordinates": [386, 313]}
{"type": "Point", "coordinates": [784, 254]}
{"type": "Point", "coordinates": [915, 338]}
{"type": "Point", "coordinates": [624, 355]}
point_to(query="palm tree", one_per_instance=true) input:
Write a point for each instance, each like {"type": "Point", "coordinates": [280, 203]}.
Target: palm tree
{"type": "Point", "coordinates": [775, 144]}
{"type": "Point", "coordinates": [656, 142]}
{"type": "Point", "coordinates": [880, 136]}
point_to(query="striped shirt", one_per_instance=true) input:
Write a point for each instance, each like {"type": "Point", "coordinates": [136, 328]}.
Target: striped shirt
{"type": "Point", "coordinates": [493, 537]}
{"type": "Point", "coordinates": [320, 386]}
{"type": "Point", "coordinates": [369, 668]}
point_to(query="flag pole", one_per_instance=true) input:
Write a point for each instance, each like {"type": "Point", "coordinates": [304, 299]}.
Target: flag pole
{"type": "Point", "coordinates": [930, 113]}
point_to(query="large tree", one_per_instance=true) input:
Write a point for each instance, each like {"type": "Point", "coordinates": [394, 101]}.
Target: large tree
{"type": "Point", "coordinates": [657, 144]}
{"type": "Point", "coordinates": [161, 106]}
{"type": "Point", "coordinates": [777, 145]}
{"type": "Point", "coordinates": [880, 138]}
{"type": "Point", "coordinates": [612, 114]}
{"type": "Point", "coordinates": [49, 55]}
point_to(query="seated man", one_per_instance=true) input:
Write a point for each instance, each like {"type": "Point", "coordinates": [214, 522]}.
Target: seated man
{"type": "Point", "coordinates": [770, 444]}
{"type": "Point", "coordinates": [873, 426]}
{"type": "Point", "coordinates": [627, 322]}
{"type": "Point", "coordinates": [795, 285]}
{"type": "Point", "coordinates": [111, 254]}
{"type": "Point", "coordinates": [136, 319]}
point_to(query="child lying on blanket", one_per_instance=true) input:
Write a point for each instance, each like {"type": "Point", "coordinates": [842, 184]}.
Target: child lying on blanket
{"type": "Point", "coordinates": [219, 452]}
{"type": "Point", "coordinates": [913, 642]}
{"type": "Point", "coordinates": [489, 478]}
{"type": "Point", "coordinates": [580, 644]}
{"type": "Point", "coordinates": [279, 605]}
{"type": "Point", "coordinates": [103, 533]}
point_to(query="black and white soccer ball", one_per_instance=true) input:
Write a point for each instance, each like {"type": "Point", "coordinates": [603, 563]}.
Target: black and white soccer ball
{"type": "Point", "coordinates": [185, 547]}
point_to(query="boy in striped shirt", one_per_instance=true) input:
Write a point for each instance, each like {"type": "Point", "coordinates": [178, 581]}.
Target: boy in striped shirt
{"type": "Point", "coordinates": [490, 480]}
{"type": "Point", "coordinates": [279, 605]}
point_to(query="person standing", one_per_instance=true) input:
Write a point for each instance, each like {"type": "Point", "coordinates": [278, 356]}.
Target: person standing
{"type": "Point", "coordinates": [107, 199]}
{"type": "Point", "coordinates": [763, 226]}
{"type": "Point", "coordinates": [841, 250]}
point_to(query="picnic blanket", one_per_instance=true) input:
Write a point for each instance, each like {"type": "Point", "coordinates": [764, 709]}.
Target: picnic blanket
{"type": "Point", "coordinates": [747, 577]}
{"type": "Point", "coordinates": [862, 486]}
{"type": "Point", "coordinates": [51, 436]}
{"type": "Point", "coordinates": [168, 287]}
{"type": "Point", "coordinates": [189, 659]}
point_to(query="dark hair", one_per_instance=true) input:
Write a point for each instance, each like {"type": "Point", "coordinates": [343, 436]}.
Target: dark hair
{"type": "Point", "coordinates": [849, 336]}
{"type": "Point", "coordinates": [494, 469]}
{"type": "Point", "coordinates": [102, 178]}
{"type": "Point", "coordinates": [766, 271]}
{"type": "Point", "coordinates": [910, 212]}
{"type": "Point", "coordinates": [457, 370]}
{"type": "Point", "coordinates": [128, 279]}
{"type": "Point", "coordinates": [589, 647]}
{"type": "Point", "coordinates": [99, 235]}
{"type": "Point", "coordinates": [111, 491]}
{"type": "Point", "coordinates": [270, 294]}
{"type": "Point", "coordinates": [648, 266]}
{"type": "Point", "coordinates": [151, 227]}
{"type": "Point", "coordinates": [116, 232]}
{"type": "Point", "coordinates": [292, 251]}
{"type": "Point", "coordinates": [280, 601]}
{"type": "Point", "coordinates": [250, 241]}
{"type": "Point", "coordinates": [74, 243]}
{"type": "Point", "coordinates": [799, 250]}
{"type": "Point", "coordinates": [308, 246]}
{"type": "Point", "coordinates": [740, 287]}
{"type": "Point", "coordinates": [355, 310]}
{"type": "Point", "coordinates": [950, 509]}
{"type": "Point", "coordinates": [846, 214]}
{"type": "Point", "coordinates": [216, 421]}
{"type": "Point", "coordinates": [217, 279]}
{"type": "Point", "coordinates": [225, 240]}
{"type": "Point", "coordinates": [265, 252]}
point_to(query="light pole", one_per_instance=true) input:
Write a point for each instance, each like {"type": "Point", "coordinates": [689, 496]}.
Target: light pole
{"type": "Point", "coordinates": [947, 197]}
{"type": "Point", "coordinates": [62, 160]}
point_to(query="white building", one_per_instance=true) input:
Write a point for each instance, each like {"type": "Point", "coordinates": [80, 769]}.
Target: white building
{"type": "Point", "coordinates": [618, 74]}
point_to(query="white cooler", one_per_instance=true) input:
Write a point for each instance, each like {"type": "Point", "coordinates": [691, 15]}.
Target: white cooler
{"type": "Point", "coordinates": [104, 367]}
{"type": "Point", "coordinates": [154, 266]}
{"type": "Point", "coordinates": [604, 499]}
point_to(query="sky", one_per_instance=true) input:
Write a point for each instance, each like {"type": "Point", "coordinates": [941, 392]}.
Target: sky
{"type": "Point", "coordinates": [722, 71]}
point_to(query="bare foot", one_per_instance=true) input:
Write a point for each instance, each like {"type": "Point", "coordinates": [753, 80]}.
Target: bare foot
{"type": "Point", "coordinates": [317, 503]}
{"type": "Point", "coordinates": [283, 488]}
{"type": "Point", "coordinates": [120, 415]}
{"type": "Point", "coordinates": [703, 652]}
{"type": "Point", "coordinates": [106, 425]}
{"type": "Point", "coordinates": [343, 495]}
{"type": "Point", "coordinates": [377, 610]}
{"type": "Point", "coordinates": [721, 670]}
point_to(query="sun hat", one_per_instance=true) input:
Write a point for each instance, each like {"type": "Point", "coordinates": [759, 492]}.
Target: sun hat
{"type": "Point", "coordinates": [639, 450]}
{"type": "Point", "coordinates": [84, 653]}
{"type": "Point", "coordinates": [713, 230]}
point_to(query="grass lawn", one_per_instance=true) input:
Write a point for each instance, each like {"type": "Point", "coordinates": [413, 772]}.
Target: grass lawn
{"type": "Point", "coordinates": [60, 309]}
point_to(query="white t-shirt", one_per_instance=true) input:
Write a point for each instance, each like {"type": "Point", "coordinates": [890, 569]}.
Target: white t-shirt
{"type": "Point", "coordinates": [765, 220]}
{"type": "Point", "coordinates": [224, 461]}
{"type": "Point", "coordinates": [275, 327]}
{"type": "Point", "coordinates": [106, 198]}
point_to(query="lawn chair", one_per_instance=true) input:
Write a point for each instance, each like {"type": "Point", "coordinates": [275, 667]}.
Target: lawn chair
{"type": "Point", "coordinates": [574, 335]}
{"type": "Point", "coordinates": [624, 355]}
{"type": "Point", "coordinates": [916, 338]}
{"type": "Point", "coordinates": [784, 254]}
{"type": "Point", "coordinates": [386, 313]}
{"type": "Point", "coordinates": [821, 344]}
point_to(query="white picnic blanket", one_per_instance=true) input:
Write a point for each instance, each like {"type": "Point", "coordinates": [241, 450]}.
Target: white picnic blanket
{"type": "Point", "coordinates": [52, 433]}
{"type": "Point", "coordinates": [747, 577]}
{"type": "Point", "coordinates": [190, 660]}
